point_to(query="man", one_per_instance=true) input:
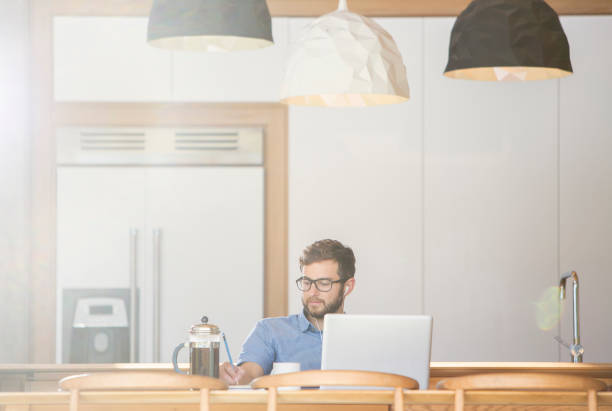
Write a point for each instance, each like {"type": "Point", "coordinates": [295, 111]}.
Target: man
{"type": "Point", "coordinates": [328, 269]}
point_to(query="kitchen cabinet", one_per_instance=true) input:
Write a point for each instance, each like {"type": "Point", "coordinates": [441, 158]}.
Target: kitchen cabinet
{"type": "Point", "coordinates": [356, 176]}
{"type": "Point", "coordinates": [246, 76]}
{"type": "Point", "coordinates": [586, 181]}
{"type": "Point", "coordinates": [204, 225]}
{"type": "Point", "coordinates": [490, 199]}
{"type": "Point", "coordinates": [108, 59]}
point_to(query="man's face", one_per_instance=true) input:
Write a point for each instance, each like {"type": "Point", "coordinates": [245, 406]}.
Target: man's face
{"type": "Point", "coordinates": [318, 303]}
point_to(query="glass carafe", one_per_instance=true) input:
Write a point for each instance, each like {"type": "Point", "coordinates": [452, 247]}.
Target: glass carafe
{"type": "Point", "coordinates": [203, 344]}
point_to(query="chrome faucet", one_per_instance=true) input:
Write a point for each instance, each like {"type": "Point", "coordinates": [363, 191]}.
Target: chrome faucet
{"type": "Point", "coordinates": [576, 348]}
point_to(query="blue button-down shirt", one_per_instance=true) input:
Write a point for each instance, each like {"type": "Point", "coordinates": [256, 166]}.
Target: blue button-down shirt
{"type": "Point", "coordinates": [283, 339]}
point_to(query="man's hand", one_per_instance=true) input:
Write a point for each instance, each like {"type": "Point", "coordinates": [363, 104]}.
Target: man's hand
{"type": "Point", "coordinates": [230, 374]}
{"type": "Point", "coordinates": [241, 374]}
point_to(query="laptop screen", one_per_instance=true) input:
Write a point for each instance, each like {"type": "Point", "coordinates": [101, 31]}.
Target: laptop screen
{"type": "Point", "coordinates": [397, 344]}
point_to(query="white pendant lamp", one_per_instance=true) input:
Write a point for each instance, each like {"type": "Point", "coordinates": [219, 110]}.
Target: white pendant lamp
{"type": "Point", "coordinates": [344, 59]}
{"type": "Point", "coordinates": [210, 25]}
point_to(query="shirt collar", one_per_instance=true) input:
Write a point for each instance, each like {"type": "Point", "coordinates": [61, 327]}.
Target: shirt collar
{"type": "Point", "coordinates": [303, 322]}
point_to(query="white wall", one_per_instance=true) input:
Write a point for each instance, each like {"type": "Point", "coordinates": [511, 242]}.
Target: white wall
{"type": "Point", "coordinates": [452, 201]}
{"type": "Point", "coordinates": [14, 181]}
{"type": "Point", "coordinates": [355, 176]}
{"type": "Point", "coordinates": [490, 210]}
{"type": "Point", "coordinates": [586, 179]}
{"type": "Point", "coordinates": [466, 202]}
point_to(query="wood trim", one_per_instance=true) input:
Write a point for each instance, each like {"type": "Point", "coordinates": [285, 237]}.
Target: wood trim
{"type": "Point", "coordinates": [46, 114]}
{"type": "Point", "coordinates": [276, 154]}
{"type": "Point", "coordinates": [416, 8]}
{"type": "Point", "coordinates": [313, 8]}
{"type": "Point", "coordinates": [42, 258]}
{"type": "Point", "coordinates": [271, 116]}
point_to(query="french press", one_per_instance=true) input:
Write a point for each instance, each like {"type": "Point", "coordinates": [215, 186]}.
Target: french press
{"type": "Point", "coordinates": [203, 344]}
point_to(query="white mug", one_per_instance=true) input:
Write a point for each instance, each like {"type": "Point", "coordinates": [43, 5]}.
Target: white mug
{"type": "Point", "coordinates": [283, 368]}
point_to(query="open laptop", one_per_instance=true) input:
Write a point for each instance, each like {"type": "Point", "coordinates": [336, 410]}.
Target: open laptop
{"type": "Point", "coordinates": [398, 344]}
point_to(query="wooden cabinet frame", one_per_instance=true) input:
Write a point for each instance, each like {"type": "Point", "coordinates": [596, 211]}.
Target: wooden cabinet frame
{"type": "Point", "coordinates": [314, 8]}
{"type": "Point", "coordinates": [46, 115]}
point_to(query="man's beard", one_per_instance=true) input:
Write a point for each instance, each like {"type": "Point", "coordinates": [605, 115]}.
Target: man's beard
{"type": "Point", "coordinates": [332, 307]}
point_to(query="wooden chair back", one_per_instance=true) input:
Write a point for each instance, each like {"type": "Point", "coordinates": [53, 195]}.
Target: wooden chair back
{"type": "Point", "coordinates": [523, 381]}
{"type": "Point", "coordinates": [140, 381]}
{"type": "Point", "coordinates": [315, 378]}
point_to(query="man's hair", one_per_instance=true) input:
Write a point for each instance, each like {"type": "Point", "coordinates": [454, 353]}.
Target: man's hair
{"type": "Point", "coordinates": [330, 250]}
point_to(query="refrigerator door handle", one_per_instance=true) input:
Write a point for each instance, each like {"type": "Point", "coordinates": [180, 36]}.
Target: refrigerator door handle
{"type": "Point", "coordinates": [133, 290]}
{"type": "Point", "coordinates": [156, 293]}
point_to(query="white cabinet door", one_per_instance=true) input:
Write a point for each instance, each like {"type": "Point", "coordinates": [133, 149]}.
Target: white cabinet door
{"type": "Point", "coordinates": [490, 210]}
{"type": "Point", "coordinates": [355, 176]}
{"type": "Point", "coordinates": [211, 249]}
{"type": "Point", "coordinates": [586, 181]}
{"type": "Point", "coordinates": [253, 75]}
{"type": "Point", "coordinates": [108, 59]}
{"type": "Point", "coordinates": [96, 208]}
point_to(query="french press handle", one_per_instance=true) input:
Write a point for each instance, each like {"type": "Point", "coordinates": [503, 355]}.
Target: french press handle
{"type": "Point", "coordinates": [175, 354]}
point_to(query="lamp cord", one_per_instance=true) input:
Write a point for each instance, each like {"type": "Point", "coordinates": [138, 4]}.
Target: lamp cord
{"type": "Point", "coordinates": [319, 328]}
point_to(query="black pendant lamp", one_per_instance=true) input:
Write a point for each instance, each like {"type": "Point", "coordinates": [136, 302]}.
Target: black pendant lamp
{"type": "Point", "coordinates": [210, 25]}
{"type": "Point", "coordinates": [505, 40]}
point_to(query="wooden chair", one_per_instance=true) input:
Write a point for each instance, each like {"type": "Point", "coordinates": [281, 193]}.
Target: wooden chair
{"type": "Point", "coordinates": [316, 378]}
{"type": "Point", "coordinates": [140, 381]}
{"type": "Point", "coordinates": [523, 381]}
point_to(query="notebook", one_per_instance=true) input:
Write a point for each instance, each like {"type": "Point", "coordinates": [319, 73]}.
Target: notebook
{"type": "Point", "coordinates": [398, 344]}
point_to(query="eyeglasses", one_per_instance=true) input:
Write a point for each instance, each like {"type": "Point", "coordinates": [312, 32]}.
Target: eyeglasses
{"type": "Point", "coordinates": [322, 284]}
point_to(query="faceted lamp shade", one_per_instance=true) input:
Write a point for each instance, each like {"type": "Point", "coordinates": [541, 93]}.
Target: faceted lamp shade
{"type": "Point", "coordinates": [210, 25]}
{"type": "Point", "coordinates": [344, 59]}
{"type": "Point", "coordinates": [506, 40]}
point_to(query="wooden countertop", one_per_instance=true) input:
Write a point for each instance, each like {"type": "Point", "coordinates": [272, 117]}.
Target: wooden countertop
{"type": "Point", "coordinates": [437, 370]}
{"type": "Point", "coordinates": [333, 400]}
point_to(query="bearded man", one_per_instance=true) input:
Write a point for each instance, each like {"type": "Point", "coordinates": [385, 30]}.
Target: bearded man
{"type": "Point", "coordinates": [328, 270]}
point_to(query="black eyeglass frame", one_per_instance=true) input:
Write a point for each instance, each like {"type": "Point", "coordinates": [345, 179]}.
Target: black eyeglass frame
{"type": "Point", "coordinates": [316, 283]}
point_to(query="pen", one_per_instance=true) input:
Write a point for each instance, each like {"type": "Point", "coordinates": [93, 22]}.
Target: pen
{"type": "Point", "coordinates": [229, 356]}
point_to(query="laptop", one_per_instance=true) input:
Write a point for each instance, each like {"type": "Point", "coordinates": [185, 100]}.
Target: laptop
{"type": "Point", "coordinates": [397, 344]}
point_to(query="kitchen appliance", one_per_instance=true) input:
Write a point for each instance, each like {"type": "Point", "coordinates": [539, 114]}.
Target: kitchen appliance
{"type": "Point", "coordinates": [175, 213]}
{"type": "Point", "coordinates": [97, 325]}
{"type": "Point", "coordinates": [203, 344]}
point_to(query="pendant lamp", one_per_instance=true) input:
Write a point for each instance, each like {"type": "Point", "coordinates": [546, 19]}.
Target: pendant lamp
{"type": "Point", "coordinates": [344, 59]}
{"type": "Point", "coordinates": [508, 40]}
{"type": "Point", "coordinates": [210, 25]}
